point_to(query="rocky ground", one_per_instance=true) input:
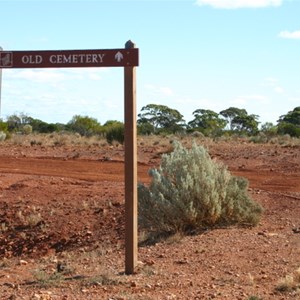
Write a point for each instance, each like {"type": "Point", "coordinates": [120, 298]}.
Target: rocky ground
{"type": "Point", "coordinates": [62, 227]}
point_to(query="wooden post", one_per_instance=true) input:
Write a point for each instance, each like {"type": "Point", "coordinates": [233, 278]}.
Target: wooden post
{"type": "Point", "coordinates": [131, 234]}
{"type": "Point", "coordinates": [0, 83]}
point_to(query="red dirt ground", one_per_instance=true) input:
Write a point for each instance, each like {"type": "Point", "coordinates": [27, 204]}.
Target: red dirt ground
{"type": "Point", "coordinates": [62, 208]}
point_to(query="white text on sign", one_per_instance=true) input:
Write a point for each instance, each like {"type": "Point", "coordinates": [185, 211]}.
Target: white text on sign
{"type": "Point", "coordinates": [65, 59]}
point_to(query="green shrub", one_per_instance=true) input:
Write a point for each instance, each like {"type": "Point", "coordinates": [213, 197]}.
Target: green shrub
{"type": "Point", "coordinates": [3, 126]}
{"type": "Point", "coordinates": [190, 191]}
{"type": "Point", "coordinates": [115, 132]}
{"type": "Point", "coordinates": [84, 125]}
{"type": "Point", "coordinates": [288, 128]}
{"type": "Point", "coordinates": [145, 129]}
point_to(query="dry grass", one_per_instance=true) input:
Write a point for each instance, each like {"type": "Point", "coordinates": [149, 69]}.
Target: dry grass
{"type": "Point", "coordinates": [290, 282]}
{"type": "Point", "coordinates": [162, 142]}
{"type": "Point", "coordinates": [56, 139]}
{"type": "Point", "coordinates": [31, 218]}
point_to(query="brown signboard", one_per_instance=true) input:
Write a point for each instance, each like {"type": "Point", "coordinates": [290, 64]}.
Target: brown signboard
{"type": "Point", "coordinates": [70, 58]}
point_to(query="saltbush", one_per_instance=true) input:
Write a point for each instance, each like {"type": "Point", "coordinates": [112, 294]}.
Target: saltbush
{"type": "Point", "coordinates": [27, 129]}
{"type": "Point", "coordinates": [190, 192]}
{"type": "Point", "coordinates": [2, 136]}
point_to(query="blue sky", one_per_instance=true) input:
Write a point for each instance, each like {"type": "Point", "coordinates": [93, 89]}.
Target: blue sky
{"type": "Point", "coordinates": [205, 54]}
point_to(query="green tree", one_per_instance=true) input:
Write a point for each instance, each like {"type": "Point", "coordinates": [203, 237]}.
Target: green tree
{"type": "Point", "coordinates": [84, 125]}
{"type": "Point", "coordinates": [269, 129]}
{"type": "Point", "coordinates": [292, 117]}
{"type": "Point", "coordinates": [162, 118]}
{"type": "Point", "coordinates": [207, 121]}
{"type": "Point", "coordinates": [246, 124]}
{"type": "Point", "coordinates": [15, 122]}
{"type": "Point", "coordinates": [290, 123]}
{"type": "Point", "coordinates": [44, 127]}
{"type": "Point", "coordinates": [232, 112]}
{"type": "Point", "coordinates": [239, 120]}
{"type": "Point", "coordinates": [288, 128]}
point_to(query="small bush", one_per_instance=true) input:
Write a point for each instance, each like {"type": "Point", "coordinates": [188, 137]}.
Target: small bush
{"type": "Point", "coordinates": [197, 134]}
{"type": "Point", "coordinates": [3, 126]}
{"type": "Point", "coordinates": [45, 280]}
{"type": "Point", "coordinates": [191, 191]}
{"type": "Point", "coordinates": [289, 282]}
{"type": "Point", "coordinates": [2, 136]}
{"type": "Point", "coordinates": [115, 132]}
{"type": "Point", "coordinates": [260, 138]}
{"type": "Point", "coordinates": [27, 129]}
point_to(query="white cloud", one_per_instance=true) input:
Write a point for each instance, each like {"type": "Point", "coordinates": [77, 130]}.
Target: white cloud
{"type": "Point", "coordinates": [238, 101]}
{"type": "Point", "coordinates": [232, 4]}
{"type": "Point", "coordinates": [279, 90]}
{"type": "Point", "coordinates": [54, 75]}
{"type": "Point", "coordinates": [270, 81]}
{"type": "Point", "coordinates": [290, 34]}
{"type": "Point", "coordinates": [273, 83]}
{"type": "Point", "coordinates": [242, 100]}
{"type": "Point", "coordinates": [39, 76]}
{"type": "Point", "coordinates": [149, 86]}
{"type": "Point", "coordinates": [166, 91]}
{"type": "Point", "coordinates": [158, 90]}
{"type": "Point", "coordinates": [205, 103]}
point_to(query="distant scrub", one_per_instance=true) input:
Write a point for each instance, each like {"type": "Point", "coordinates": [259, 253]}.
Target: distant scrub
{"type": "Point", "coordinates": [190, 191]}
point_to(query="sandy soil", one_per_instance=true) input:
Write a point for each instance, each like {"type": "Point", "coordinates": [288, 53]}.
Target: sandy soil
{"type": "Point", "coordinates": [62, 228]}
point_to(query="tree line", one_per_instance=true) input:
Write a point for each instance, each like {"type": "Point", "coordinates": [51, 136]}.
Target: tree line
{"type": "Point", "coordinates": [156, 119]}
{"type": "Point", "coordinates": [161, 119]}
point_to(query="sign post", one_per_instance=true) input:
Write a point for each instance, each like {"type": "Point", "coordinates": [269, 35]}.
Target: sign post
{"type": "Point", "coordinates": [127, 58]}
{"type": "Point", "coordinates": [130, 167]}
{"type": "Point", "coordinates": [0, 82]}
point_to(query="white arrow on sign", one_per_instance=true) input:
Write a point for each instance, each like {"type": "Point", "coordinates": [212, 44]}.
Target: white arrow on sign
{"type": "Point", "coordinates": [119, 56]}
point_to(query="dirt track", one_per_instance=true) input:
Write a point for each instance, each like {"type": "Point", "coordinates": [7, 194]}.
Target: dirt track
{"type": "Point", "coordinates": [92, 170]}
{"type": "Point", "coordinates": [89, 170]}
